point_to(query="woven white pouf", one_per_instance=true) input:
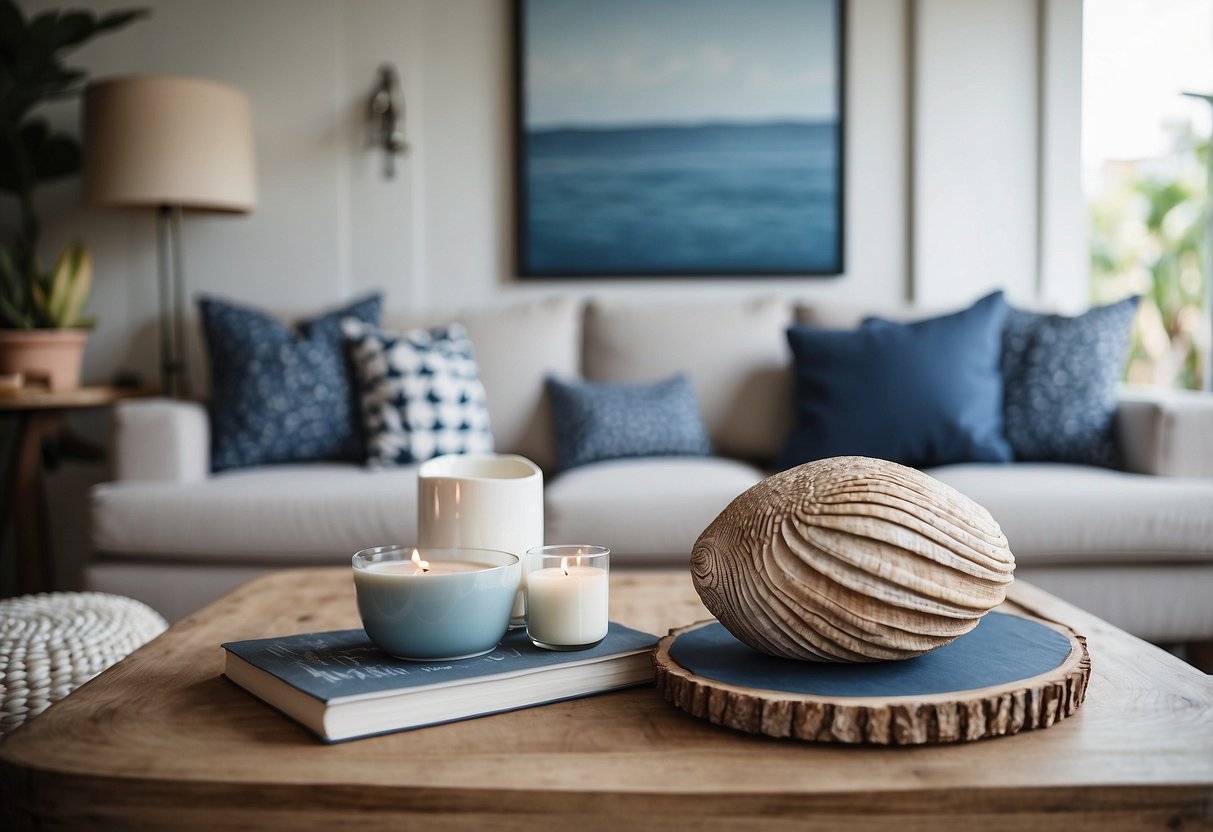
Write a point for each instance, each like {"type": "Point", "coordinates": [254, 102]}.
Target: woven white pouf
{"type": "Point", "coordinates": [51, 644]}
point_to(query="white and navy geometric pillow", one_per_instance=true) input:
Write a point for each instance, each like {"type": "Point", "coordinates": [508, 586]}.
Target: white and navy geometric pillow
{"type": "Point", "coordinates": [1059, 377]}
{"type": "Point", "coordinates": [420, 391]}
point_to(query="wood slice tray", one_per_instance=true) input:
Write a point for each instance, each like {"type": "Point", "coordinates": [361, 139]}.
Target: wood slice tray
{"type": "Point", "coordinates": [1011, 673]}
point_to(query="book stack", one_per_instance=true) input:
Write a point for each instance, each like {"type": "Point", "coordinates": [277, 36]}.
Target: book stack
{"type": "Point", "coordinates": [342, 687]}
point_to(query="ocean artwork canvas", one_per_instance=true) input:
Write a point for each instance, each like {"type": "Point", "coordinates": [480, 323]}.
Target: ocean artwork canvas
{"type": "Point", "coordinates": [679, 137]}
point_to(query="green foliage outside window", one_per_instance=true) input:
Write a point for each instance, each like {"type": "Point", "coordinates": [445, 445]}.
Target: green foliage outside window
{"type": "Point", "coordinates": [1147, 235]}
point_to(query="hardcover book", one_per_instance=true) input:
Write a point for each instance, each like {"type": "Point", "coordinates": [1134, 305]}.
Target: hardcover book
{"type": "Point", "coordinates": [341, 687]}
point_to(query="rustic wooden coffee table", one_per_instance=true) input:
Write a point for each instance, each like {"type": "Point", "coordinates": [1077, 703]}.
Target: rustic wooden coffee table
{"type": "Point", "coordinates": [161, 741]}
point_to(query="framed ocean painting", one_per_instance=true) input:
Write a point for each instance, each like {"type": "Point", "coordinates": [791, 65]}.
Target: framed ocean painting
{"type": "Point", "coordinates": [679, 137]}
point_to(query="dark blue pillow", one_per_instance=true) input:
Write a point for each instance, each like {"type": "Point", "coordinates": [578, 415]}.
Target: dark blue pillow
{"type": "Point", "coordinates": [278, 395]}
{"type": "Point", "coordinates": [1060, 375]}
{"type": "Point", "coordinates": [612, 420]}
{"type": "Point", "coordinates": [921, 394]}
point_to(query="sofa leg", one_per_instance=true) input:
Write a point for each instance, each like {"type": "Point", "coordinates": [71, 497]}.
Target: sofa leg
{"type": "Point", "coordinates": [1200, 655]}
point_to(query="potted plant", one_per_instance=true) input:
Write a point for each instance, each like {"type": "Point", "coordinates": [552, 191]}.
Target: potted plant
{"type": "Point", "coordinates": [42, 329]}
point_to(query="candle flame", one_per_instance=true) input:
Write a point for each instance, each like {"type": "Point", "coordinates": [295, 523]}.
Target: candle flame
{"type": "Point", "coordinates": [564, 565]}
{"type": "Point", "coordinates": [423, 565]}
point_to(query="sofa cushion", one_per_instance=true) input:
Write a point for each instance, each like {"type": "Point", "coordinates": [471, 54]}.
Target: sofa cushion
{"type": "Point", "coordinates": [517, 347]}
{"type": "Point", "coordinates": [421, 393]}
{"type": "Point", "coordinates": [922, 393]}
{"type": "Point", "coordinates": [1061, 375]}
{"type": "Point", "coordinates": [1056, 514]}
{"type": "Point", "coordinates": [734, 352]}
{"type": "Point", "coordinates": [643, 509]}
{"type": "Point", "coordinates": [278, 395]}
{"type": "Point", "coordinates": [1160, 602]}
{"type": "Point", "coordinates": [597, 420]}
{"type": "Point", "coordinates": [313, 513]}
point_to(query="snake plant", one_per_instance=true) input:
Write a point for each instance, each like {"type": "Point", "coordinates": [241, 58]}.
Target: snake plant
{"type": "Point", "coordinates": [55, 299]}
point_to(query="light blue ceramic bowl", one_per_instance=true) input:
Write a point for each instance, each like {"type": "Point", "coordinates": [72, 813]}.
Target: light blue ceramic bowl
{"type": "Point", "coordinates": [458, 609]}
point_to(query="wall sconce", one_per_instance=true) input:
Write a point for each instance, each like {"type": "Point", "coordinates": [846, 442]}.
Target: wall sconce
{"type": "Point", "coordinates": [387, 118]}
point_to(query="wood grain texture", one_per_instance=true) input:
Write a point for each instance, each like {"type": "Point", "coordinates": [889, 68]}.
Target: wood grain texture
{"type": "Point", "coordinates": [963, 716]}
{"type": "Point", "coordinates": [160, 741]}
{"type": "Point", "coordinates": [851, 559]}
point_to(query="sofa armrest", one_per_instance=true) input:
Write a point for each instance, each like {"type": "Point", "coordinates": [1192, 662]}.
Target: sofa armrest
{"type": "Point", "coordinates": [1168, 433]}
{"type": "Point", "coordinates": [161, 439]}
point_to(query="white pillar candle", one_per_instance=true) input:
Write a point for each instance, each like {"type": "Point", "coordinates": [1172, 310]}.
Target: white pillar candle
{"type": "Point", "coordinates": [567, 605]}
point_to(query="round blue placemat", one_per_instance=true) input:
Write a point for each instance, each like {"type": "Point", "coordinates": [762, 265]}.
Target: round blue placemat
{"type": "Point", "coordinates": [1001, 649]}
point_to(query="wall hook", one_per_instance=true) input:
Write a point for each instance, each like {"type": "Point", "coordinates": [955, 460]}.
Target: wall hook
{"type": "Point", "coordinates": [387, 116]}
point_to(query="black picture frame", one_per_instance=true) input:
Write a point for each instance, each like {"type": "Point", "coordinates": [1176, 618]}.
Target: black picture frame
{"type": "Point", "coordinates": [538, 152]}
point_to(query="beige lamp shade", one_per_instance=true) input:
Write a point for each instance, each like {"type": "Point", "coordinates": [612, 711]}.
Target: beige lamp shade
{"type": "Point", "coordinates": [151, 141]}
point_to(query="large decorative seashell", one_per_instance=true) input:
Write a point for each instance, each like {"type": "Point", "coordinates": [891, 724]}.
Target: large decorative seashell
{"type": "Point", "coordinates": [851, 559]}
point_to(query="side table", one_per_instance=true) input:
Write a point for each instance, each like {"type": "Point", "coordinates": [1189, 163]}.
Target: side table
{"type": "Point", "coordinates": [40, 416]}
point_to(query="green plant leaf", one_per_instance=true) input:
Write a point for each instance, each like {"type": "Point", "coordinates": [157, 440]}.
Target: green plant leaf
{"type": "Point", "coordinates": [45, 157]}
{"type": "Point", "coordinates": [12, 317]}
{"type": "Point", "coordinates": [62, 83]}
{"type": "Point", "coordinates": [55, 300]}
{"type": "Point", "coordinates": [12, 287]}
{"type": "Point", "coordinates": [72, 28]}
{"type": "Point", "coordinates": [120, 18]}
{"type": "Point", "coordinates": [57, 157]}
{"type": "Point", "coordinates": [78, 288]}
{"type": "Point", "coordinates": [38, 303]}
{"type": "Point", "coordinates": [16, 164]}
{"type": "Point", "coordinates": [12, 31]}
{"type": "Point", "coordinates": [39, 32]}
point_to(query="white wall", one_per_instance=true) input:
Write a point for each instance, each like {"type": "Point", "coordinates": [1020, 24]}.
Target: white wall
{"type": "Point", "coordinates": [975, 196]}
{"type": "Point", "coordinates": [996, 152]}
{"type": "Point", "coordinates": [1062, 222]}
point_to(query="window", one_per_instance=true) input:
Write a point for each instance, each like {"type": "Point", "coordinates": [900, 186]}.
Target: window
{"type": "Point", "coordinates": [1145, 149]}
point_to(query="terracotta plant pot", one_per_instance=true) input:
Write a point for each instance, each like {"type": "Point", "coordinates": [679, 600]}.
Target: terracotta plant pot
{"type": "Point", "coordinates": [45, 356]}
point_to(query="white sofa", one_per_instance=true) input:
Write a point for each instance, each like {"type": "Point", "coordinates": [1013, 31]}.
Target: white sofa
{"type": "Point", "coordinates": [1134, 547]}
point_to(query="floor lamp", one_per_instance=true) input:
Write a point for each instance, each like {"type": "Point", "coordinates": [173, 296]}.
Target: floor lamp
{"type": "Point", "coordinates": [1207, 259]}
{"type": "Point", "coordinates": [172, 145]}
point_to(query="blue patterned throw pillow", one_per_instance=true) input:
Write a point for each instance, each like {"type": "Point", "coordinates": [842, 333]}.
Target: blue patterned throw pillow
{"type": "Point", "coordinates": [1060, 378]}
{"type": "Point", "coordinates": [611, 420]}
{"type": "Point", "coordinates": [922, 394]}
{"type": "Point", "coordinates": [421, 393]}
{"type": "Point", "coordinates": [277, 394]}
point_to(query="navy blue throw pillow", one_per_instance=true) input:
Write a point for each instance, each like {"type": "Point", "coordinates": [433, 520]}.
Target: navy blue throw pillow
{"type": "Point", "coordinates": [921, 394]}
{"type": "Point", "coordinates": [1060, 375]}
{"type": "Point", "coordinates": [612, 420]}
{"type": "Point", "coordinates": [277, 394]}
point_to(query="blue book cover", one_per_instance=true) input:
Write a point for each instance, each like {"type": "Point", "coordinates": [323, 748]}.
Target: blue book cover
{"type": "Point", "coordinates": [341, 686]}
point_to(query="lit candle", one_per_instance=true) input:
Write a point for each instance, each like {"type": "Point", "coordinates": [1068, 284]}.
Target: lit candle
{"type": "Point", "coordinates": [451, 604]}
{"type": "Point", "coordinates": [417, 566]}
{"type": "Point", "coordinates": [567, 603]}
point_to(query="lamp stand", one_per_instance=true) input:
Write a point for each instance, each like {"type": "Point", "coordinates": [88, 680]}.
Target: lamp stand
{"type": "Point", "coordinates": [174, 366]}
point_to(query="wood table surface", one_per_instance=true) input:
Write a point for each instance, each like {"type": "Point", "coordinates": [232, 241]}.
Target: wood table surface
{"type": "Point", "coordinates": [161, 741]}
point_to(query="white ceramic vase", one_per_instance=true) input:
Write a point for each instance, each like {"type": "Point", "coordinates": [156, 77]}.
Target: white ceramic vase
{"type": "Point", "coordinates": [482, 501]}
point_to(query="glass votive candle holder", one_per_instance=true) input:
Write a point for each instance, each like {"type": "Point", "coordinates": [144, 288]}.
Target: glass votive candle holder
{"type": "Point", "coordinates": [567, 591]}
